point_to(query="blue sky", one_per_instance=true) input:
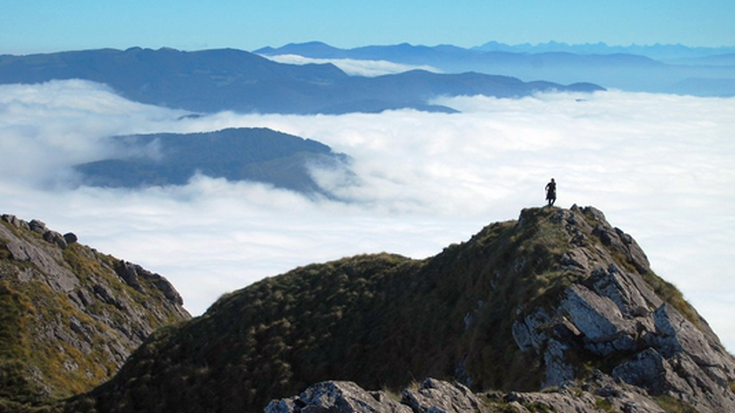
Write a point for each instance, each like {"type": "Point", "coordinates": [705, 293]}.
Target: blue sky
{"type": "Point", "coordinates": [31, 26]}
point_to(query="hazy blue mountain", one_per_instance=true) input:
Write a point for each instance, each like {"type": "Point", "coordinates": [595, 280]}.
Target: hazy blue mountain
{"type": "Point", "coordinates": [314, 49]}
{"type": "Point", "coordinates": [215, 80]}
{"type": "Point", "coordinates": [251, 154]}
{"type": "Point", "coordinates": [656, 51]}
{"type": "Point", "coordinates": [658, 68]}
{"type": "Point", "coordinates": [711, 60]}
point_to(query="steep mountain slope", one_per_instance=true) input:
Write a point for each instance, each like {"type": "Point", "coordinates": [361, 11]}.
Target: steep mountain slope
{"type": "Point", "coordinates": [252, 154]}
{"type": "Point", "coordinates": [556, 298]}
{"type": "Point", "coordinates": [217, 80]}
{"type": "Point", "coordinates": [70, 315]}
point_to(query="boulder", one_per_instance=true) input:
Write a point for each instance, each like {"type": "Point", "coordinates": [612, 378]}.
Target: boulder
{"type": "Point", "coordinates": [37, 226]}
{"type": "Point", "coordinates": [70, 238]}
{"type": "Point", "coordinates": [53, 237]}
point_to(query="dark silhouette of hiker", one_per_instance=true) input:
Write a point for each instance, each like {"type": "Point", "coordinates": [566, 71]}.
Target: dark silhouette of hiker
{"type": "Point", "coordinates": [551, 192]}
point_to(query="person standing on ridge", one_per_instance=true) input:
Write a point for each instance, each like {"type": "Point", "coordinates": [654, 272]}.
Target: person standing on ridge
{"type": "Point", "coordinates": [551, 192]}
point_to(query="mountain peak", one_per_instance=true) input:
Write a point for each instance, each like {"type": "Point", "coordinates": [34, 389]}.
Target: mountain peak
{"type": "Point", "coordinates": [558, 297]}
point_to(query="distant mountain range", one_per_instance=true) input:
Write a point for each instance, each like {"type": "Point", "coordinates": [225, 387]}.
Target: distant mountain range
{"type": "Point", "coordinates": [660, 69]}
{"type": "Point", "coordinates": [656, 51]}
{"type": "Point", "coordinates": [217, 80]}
{"type": "Point", "coordinates": [237, 154]}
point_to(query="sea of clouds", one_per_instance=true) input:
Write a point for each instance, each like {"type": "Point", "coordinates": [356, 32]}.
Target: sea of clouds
{"type": "Point", "coordinates": [661, 167]}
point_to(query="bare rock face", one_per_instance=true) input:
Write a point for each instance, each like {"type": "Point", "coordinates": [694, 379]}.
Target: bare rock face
{"type": "Point", "coordinates": [75, 318]}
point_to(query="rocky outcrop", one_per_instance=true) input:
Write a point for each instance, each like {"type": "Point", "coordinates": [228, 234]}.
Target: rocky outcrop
{"type": "Point", "coordinates": [614, 315]}
{"type": "Point", "coordinates": [131, 273]}
{"type": "Point", "coordinates": [74, 316]}
{"type": "Point", "coordinates": [437, 396]}
{"type": "Point", "coordinates": [432, 396]}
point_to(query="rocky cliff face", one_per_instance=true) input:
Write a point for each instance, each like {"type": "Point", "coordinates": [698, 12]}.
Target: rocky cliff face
{"type": "Point", "coordinates": [557, 311]}
{"type": "Point", "coordinates": [70, 316]}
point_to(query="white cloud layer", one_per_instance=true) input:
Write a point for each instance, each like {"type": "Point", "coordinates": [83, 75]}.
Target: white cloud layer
{"type": "Point", "coordinates": [661, 167]}
{"type": "Point", "coordinates": [354, 67]}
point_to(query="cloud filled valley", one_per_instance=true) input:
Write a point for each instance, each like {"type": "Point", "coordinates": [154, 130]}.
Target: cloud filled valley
{"type": "Point", "coordinates": [354, 67]}
{"type": "Point", "coordinates": [659, 166]}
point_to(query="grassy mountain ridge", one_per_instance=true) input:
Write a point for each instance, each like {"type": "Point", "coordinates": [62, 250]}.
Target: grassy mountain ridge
{"type": "Point", "coordinates": [69, 315]}
{"type": "Point", "coordinates": [380, 320]}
